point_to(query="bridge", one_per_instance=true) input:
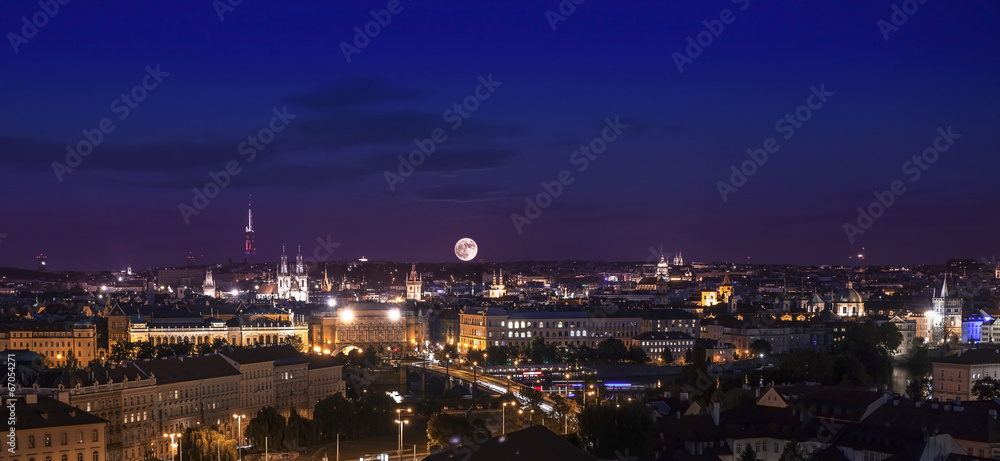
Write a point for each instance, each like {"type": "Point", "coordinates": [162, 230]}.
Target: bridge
{"type": "Point", "coordinates": [462, 379]}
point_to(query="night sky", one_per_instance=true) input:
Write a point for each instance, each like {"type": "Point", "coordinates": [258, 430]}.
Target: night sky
{"type": "Point", "coordinates": [323, 174]}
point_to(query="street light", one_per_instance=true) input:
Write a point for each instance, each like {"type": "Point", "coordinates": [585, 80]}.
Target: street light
{"type": "Point", "coordinates": [401, 421]}
{"type": "Point", "coordinates": [239, 427]}
{"type": "Point", "coordinates": [174, 445]}
{"type": "Point", "coordinates": [504, 418]}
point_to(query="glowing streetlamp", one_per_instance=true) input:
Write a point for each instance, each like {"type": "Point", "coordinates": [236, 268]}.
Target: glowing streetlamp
{"type": "Point", "coordinates": [173, 445]}
{"type": "Point", "coordinates": [401, 422]}
{"type": "Point", "coordinates": [239, 427]}
{"type": "Point", "coordinates": [504, 418]}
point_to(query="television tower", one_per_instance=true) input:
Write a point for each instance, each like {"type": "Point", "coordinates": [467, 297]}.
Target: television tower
{"type": "Point", "coordinates": [250, 248]}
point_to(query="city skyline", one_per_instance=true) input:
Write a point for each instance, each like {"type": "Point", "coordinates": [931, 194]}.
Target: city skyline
{"type": "Point", "coordinates": [626, 128]}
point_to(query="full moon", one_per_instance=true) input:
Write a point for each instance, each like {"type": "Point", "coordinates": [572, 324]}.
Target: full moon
{"type": "Point", "coordinates": [466, 249]}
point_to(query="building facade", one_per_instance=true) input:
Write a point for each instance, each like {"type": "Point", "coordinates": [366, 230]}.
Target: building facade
{"type": "Point", "coordinates": [494, 326]}
{"type": "Point", "coordinates": [56, 341]}
{"type": "Point", "coordinates": [48, 429]}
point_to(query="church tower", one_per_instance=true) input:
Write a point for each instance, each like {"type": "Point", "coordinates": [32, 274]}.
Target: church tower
{"type": "Point", "coordinates": [497, 288]}
{"type": "Point", "coordinates": [947, 313]}
{"type": "Point", "coordinates": [726, 289]}
{"type": "Point", "coordinates": [300, 284]}
{"type": "Point", "coordinates": [414, 285]}
{"type": "Point", "coordinates": [327, 286]}
{"type": "Point", "coordinates": [284, 279]}
{"type": "Point", "coordinates": [208, 288]}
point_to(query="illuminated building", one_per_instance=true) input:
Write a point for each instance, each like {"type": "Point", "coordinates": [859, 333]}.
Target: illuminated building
{"type": "Point", "coordinates": [947, 313]}
{"type": "Point", "coordinates": [292, 286]}
{"type": "Point", "coordinates": [726, 288]}
{"type": "Point", "coordinates": [51, 430]}
{"type": "Point", "coordinates": [497, 288]}
{"type": "Point", "coordinates": [848, 302]}
{"type": "Point", "coordinates": [208, 288]}
{"type": "Point", "coordinates": [55, 341]}
{"type": "Point", "coordinates": [361, 325]}
{"type": "Point", "coordinates": [255, 325]}
{"type": "Point", "coordinates": [494, 326]}
{"type": "Point", "coordinates": [414, 286]}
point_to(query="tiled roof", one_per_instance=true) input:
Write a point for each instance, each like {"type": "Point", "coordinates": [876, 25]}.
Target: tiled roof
{"type": "Point", "coordinates": [182, 369]}
{"type": "Point", "coordinates": [972, 357]}
{"type": "Point", "coordinates": [49, 412]}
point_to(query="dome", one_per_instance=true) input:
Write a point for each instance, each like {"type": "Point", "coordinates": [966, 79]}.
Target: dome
{"type": "Point", "coordinates": [848, 295]}
{"type": "Point", "coordinates": [663, 263]}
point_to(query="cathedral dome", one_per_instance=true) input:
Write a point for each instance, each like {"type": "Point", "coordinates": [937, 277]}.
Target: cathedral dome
{"type": "Point", "coordinates": [848, 295]}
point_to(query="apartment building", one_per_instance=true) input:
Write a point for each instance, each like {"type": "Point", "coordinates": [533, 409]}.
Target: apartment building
{"type": "Point", "coordinates": [494, 326]}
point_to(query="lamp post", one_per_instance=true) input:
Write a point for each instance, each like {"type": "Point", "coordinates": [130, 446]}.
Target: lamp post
{"type": "Point", "coordinates": [173, 445]}
{"type": "Point", "coordinates": [474, 364]}
{"type": "Point", "coordinates": [239, 427]}
{"type": "Point", "coordinates": [504, 418]}
{"type": "Point", "coordinates": [401, 421]}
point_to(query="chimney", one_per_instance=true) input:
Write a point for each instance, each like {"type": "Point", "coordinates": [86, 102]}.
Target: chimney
{"type": "Point", "coordinates": [715, 413]}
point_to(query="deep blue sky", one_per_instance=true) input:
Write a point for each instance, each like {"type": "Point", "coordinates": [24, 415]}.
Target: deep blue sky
{"type": "Point", "coordinates": [655, 185]}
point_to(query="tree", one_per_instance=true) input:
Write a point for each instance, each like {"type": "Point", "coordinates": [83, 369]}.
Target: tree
{"type": "Point", "coordinates": [624, 428]}
{"type": "Point", "coordinates": [268, 423]}
{"type": "Point", "coordinates": [475, 356]}
{"type": "Point", "coordinates": [917, 388]}
{"type": "Point", "coordinates": [848, 367]}
{"type": "Point", "coordinates": [760, 346]}
{"type": "Point", "coordinates": [612, 350]}
{"type": "Point", "coordinates": [122, 350]}
{"type": "Point", "coordinates": [296, 342]}
{"type": "Point", "coordinates": [748, 454]}
{"type": "Point", "coordinates": [205, 443]}
{"type": "Point", "coordinates": [792, 452]}
{"type": "Point", "coordinates": [666, 356]}
{"type": "Point", "coordinates": [449, 431]}
{"type": "Point", "coordinates": [637, 354]}
{"type": "Point", "coordinates": [889, 337]}
{"type": "Point", "coordinates": [71, 361]}
{"type": "Point", "coordinates": [496, 355]}
{"type": "Point", "coordinates": [986, 388]}
{"type": "Point", "coordinates": [334, 415]}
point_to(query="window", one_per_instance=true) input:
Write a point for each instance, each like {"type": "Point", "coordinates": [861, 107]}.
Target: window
{"type": "Point", "coordinates": [48, 443]}
{"type": "Point", "coordinates": [79, 457]}
{"type": "Point", "coordinates": [96, 437]}
{"type": "Point", "coordinates": [64, 458]}
{"type": "Point", "coordinates": [96, 457]}
{"type": "Point", "coordinates": [79, 436]}
{"type": "Point", "coordinates": [31, 442]}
